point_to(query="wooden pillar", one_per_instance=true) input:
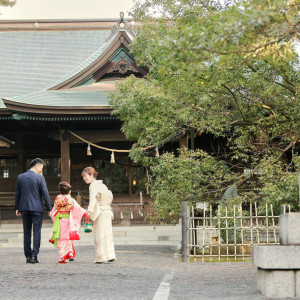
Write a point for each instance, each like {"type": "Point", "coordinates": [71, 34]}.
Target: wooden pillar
{"type": "Point", "coordinates": [130, 179]}
{"type": "Point", "coordinates": [21, 163]}
{"type": "Point", "coordinates": [184, 142]}
{"type": "Point", "coordinates": [192, 139]}
{"type": "Point", "coordinates": [65, 156]}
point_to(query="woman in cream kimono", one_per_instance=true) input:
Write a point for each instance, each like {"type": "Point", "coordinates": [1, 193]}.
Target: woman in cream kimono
{"type": "Point", "coordinates": [100, 212]}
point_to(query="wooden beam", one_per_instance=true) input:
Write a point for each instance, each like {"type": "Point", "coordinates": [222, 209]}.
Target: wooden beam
{"type": "Point", "coordinates": [4, 144]}
{"type": "Point", "coordinates": [54, 25]}
{"type": "Point", "coordinates": [65, 156]}
{"type": "Point", "coordinates": [93, 136]}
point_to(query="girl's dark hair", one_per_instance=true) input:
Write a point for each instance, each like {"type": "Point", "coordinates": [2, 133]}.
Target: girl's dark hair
{"type": "Point", "coordinates": [90, 171]}
{"type": "Point", "coordinates": [64, 188]}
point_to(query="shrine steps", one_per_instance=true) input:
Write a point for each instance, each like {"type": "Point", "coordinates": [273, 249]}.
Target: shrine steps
{"type": "Point", "coordinates": [12, 235]}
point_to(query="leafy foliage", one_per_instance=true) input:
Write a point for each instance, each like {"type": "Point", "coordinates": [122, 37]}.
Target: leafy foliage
{"type": "Point", "coordinates": [7, 2]}
{"type": "Point", "coordinates": [279, 186]}
{"type": "Point", "coordinates": [230, 70]}
{"type": "Point", "coordinates": [190, 176]}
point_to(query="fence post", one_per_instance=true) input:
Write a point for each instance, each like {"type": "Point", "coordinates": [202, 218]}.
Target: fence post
{"type": "Point", "coordinates": [184, 231]}
{"type": "Point", "coordinates": [282, 209]}
{"type": "Point", "coordinates": [299, 189]}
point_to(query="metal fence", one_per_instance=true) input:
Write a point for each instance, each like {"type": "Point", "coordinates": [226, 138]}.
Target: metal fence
{"type": "Point", "coordinates": [228, 233]}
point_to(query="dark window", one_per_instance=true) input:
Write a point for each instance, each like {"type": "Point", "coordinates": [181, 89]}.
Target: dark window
{"type": "Point", "coordinates": [8, 168]}
{"type": "Point", "coordinates": [139, 180]}
{"type": "Point", "coordinates": [120, 175]}
{"type": "Point", "coordinates": [113, 175]}
{"type": "Point", "coordinates": [52, 168]}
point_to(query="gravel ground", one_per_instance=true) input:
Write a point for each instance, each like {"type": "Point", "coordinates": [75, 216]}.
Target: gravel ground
{"type": "Point", "coordinates": [137, 274]}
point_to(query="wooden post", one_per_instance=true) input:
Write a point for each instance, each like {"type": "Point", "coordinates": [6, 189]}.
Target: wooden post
{"type": "Point", "coordinates": [184, 142]}
{"type": "Point", "coordinates": [130, 179]}
{"type": "Point", "coordinates": [21, 163]}
{"type": "Point", "coordinates": [184, 245]}
{"type": "Point", "coordinates": [194, 242]}
{"type": "Point", "coordinates": [65, 156]}
{"type": "Point", "coordinates": [192, 139]}
{"type": "Point", "coordinates": [299, 190]}
{"type": "Point", "coordinates": [219, 232]}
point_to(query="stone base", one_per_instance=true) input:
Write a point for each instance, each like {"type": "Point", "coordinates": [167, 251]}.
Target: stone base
{"type": "Point", "coordinates": [279, 283]}
{"type": "Point", "coordinates": [276, 257]}
{"type": "Point", "coordinates": [289, 229]}
{"type": "Point", "coordinates": [278, 274]}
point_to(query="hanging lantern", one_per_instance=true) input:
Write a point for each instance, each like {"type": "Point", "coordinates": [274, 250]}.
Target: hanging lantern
{"type": "Point", "coordinates": [112, 158]}
{"type": "Point", "coordinates": [134, 182]}
{"type": "Point", "coordinates": [156, 152]}
{"type": "Point", "coordinates": [89, 152]}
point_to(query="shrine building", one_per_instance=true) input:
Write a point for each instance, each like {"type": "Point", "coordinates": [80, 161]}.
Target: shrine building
{"type": "Point", "coordinates": [55, 80]}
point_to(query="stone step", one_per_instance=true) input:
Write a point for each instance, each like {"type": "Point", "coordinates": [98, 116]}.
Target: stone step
{"type": "Point", "coordinates": [117, 235]}
{"type": "Point", "coordinates": [7, 236]}
{"type": "Point", "coordinates": [13, 241]}
{"type": "Point", "coordinates": [11, 230]}
{"type": "Point", "coordinates": [130, 229]}
{"type": "Point", "coordinates": [142, 235]}
{"type": "Point", "coordinates": [91, 243]}
{"type": "Point", "coordinates": [19, 226]}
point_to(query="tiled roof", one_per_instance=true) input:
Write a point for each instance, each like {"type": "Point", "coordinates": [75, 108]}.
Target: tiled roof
{"type": "Point", "coordinates": [64, 98]}
{"type": "Point", "coordinates": [86, 62]}
{"type": "Point", "coordinates": [2, 138]}
{"type": "Point", "coordinates": [60, 118]}
{"type": "Point", "coordinates": [37, 60]}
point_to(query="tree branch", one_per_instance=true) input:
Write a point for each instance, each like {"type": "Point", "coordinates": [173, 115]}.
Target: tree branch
{"type": "Point", "coordinates": [270, 80]}
{"type": "Point", "coordinates": [236, 101]}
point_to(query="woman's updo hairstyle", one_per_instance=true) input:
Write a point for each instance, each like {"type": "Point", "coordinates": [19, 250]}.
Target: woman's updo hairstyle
{"type": "Point", "coordinates": [64, 188]}
{"type": "Point", "coordinates": [91, 171]}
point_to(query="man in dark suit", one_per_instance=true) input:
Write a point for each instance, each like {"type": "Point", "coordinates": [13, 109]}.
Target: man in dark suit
{"type": "Point", "coordinates": [31, 188]}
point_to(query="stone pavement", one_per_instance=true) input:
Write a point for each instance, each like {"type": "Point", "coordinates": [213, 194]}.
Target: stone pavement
{"type": "Point", "coordinates": [141, 272]}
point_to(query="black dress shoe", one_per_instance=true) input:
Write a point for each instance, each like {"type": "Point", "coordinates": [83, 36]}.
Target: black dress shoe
{"type": "Point", "coordinates": [34, 260]}
{"type": "Point", "coordinates": [28, 259]}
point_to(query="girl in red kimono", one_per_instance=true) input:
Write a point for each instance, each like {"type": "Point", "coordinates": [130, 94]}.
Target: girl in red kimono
{"type": "Point", "coordinates": [66, 215]}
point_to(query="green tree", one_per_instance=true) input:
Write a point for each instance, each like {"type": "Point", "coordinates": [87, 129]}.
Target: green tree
{"type": "Point", "coordinates": [230, 70]}
{"type": "Point", "coordinates": [7, 2]}
{"type": "Point", "coordinates": [188, 177]}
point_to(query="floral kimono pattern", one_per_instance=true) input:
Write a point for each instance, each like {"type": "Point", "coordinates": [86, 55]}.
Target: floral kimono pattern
{"type": "Point", "coordinates": [66, 215]}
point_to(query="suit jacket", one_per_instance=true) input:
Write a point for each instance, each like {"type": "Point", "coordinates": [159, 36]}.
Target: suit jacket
{"type": "Point", "coordinates": [30, 190]}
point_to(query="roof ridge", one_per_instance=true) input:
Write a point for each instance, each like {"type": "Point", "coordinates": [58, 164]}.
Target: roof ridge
{"type": "Point", "coordinates": [92, 58]}
{"type": "Point", "coordinates": [85, 63]}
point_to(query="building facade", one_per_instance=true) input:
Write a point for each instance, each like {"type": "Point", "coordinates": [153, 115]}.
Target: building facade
{"type": "Point", "coordinates": [55, 80]}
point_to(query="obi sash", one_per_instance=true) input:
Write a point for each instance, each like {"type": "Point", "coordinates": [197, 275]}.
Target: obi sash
{"type": "Point", "coordinates": [56, 226]}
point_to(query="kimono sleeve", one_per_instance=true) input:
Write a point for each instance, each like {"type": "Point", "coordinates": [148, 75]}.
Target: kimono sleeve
{"type": "Point", "coordinates": [93, 199]}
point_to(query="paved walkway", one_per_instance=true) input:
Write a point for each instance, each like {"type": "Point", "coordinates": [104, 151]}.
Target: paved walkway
{"type": "Point", "coordinates": [142, 272]}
